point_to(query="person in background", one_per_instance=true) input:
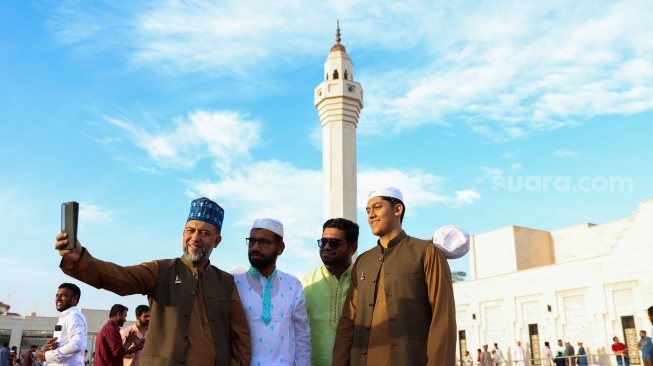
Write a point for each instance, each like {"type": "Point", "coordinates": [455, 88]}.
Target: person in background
{"type": "Point", "coordinates": [581, 358]}
{"type": "Point", "coordinates": [109, 345]}
{"type": "Point", "coordinates": [547, 354]}
{"type": "Point", "coordinates": [71, 331]}
{"type": "Point", "coordinates": [140, 329]}
{"type": "Point", "coordinates": [621, 352]}
{"type": "Point", "coordinates": [4, 354]}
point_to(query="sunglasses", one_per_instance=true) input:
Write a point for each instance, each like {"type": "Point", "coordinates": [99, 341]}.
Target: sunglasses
{"type": "Point", "coordinates": [333, 243]}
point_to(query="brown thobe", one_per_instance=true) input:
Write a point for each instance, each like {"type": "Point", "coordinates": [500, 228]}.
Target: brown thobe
{"type": "Point", "coordinates": [405, 288]}
{"type": "Point", "coordinates": [192, 313]}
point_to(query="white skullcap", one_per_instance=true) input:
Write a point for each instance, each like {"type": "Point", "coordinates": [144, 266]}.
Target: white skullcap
{"type": "Point", "coordinates": [387, 192]}
{"type": "Point", "coordinates": [452, 240]}
{"type": "Point", "coordinates": [269, 224]}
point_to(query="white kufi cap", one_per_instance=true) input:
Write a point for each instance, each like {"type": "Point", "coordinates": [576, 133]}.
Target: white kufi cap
{"type": "Point", "coordinates": [452, 240]}
{"type": "Point", "coordinates": [269, 224]}
{"type": "Point", "coordinates": [387, 192]}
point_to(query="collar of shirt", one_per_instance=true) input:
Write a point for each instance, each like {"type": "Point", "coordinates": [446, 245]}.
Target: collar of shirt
{"type": "Point", "coordinates": [346, 274]}
{"type": "Point", "coordinates": [396, 240]}
{"type": "Point", "coordinates": [192, 267]}
{"type": "Point", "coordinates": [67, 311]}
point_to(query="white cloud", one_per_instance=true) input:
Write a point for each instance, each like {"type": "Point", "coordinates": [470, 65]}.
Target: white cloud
{"type": "Point", "coordinates": [222, 136]}
{"type": "Point", "coordinates": [272, 189]}
{"type": "Point", "coordinates": [565, 153]}
{"type": "Point", "coordinates": [507, 70]}
{"type": "Point", "coordinates": [513, 71]}
{"type": "Point", "coordinates": [93, 212]}
{"type": "Point", "coordinates": [516, 166]}
{"type": "Point", "coordinates": [419, 189]}
{"type": "Point", "coordinates": [466, 197]}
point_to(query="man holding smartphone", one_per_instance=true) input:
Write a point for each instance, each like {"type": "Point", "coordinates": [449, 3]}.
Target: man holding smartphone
{"type": "Point", "coordinates": [197, 315]}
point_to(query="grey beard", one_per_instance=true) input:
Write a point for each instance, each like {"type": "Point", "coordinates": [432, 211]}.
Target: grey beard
{"type": "Point", "coordinates": [195, 257]}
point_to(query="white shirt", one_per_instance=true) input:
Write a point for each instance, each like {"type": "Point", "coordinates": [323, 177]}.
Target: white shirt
{"type": "Point", "coordinates": [286, 339]}
{"type": "Point", "coordinates": [546, 353]}
{"type": "Point", "coordinates": [518, 356]}
{"type": "Point", "coordinates": [499, 355]}
{"type": "Point", "coordinates": [72, 339]}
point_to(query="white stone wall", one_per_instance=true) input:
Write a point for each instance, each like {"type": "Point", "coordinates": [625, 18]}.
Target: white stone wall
{"type": "Point", "coordinates": [598, 273]}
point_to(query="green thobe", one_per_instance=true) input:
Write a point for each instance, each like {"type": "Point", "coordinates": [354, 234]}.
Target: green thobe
{"type": "Point", "coordinates": [325, 296]}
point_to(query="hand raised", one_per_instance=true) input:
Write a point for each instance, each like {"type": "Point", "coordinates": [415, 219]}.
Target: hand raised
{"type": "Point", "coordinates": [73, 256]}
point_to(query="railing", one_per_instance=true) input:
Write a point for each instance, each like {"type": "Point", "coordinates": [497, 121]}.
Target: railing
{"type": "Point", "coordinates": [592, 359]}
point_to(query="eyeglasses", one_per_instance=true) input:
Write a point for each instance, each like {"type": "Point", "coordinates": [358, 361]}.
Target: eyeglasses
{"type": "Point", "coordinates": [262, 242]}
{"type": "Point", "coordinates": [333, 243]}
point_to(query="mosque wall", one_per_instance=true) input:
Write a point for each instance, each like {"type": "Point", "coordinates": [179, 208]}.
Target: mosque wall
{"type": "Point", "coordinates": [597, 284]}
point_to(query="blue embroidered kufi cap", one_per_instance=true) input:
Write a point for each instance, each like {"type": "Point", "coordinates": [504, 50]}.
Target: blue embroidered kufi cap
{"type": "Point", "coordinates": [203, 209]}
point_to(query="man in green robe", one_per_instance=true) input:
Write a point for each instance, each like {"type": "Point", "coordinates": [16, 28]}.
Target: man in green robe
{"type": "Point", "coordinates": [325, 288]}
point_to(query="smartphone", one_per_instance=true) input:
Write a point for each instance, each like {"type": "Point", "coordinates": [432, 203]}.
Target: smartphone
{"type": "Point", "coordinates": [69, 213]}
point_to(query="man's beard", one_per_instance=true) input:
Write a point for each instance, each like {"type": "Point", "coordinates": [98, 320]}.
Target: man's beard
{"type": "Point", "coordinates": [262, 262]}
{"type": "Point", "coordinates": [197, 257]}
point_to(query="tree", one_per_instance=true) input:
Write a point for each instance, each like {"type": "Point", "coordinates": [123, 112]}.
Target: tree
{"type": "Point", "coordinates": [458, 276]}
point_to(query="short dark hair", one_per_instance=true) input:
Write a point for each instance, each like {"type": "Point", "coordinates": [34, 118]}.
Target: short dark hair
{"type": "Point", "coordinates": [650, 310]}
{"type": "Point", "coordinates": [546, 344]}
{"type": "Point", "coordinates": [72, 287]}
{"type": "Point", "coordinates": [140, 309]}
{"type": "Point", "coordinates": [349, 227]}
{"type": "Point", "coordinates": [393, 202]}
{"type": "Point", "coordinates": [117, 309]}
{"type": "Point", "coordinates": [5, 344]}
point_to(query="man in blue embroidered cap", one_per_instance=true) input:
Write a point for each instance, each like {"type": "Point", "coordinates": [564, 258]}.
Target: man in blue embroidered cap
{"type": "Point", "coordinates": [273, 300]}
{"type": "Point", "coordinates": [197, 317]}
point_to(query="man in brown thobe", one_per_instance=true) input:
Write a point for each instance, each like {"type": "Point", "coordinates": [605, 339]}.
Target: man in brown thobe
{"type": "Point", "coordinates": [400, 307]}
{"type": "Point", "coordinates": [197, 318]}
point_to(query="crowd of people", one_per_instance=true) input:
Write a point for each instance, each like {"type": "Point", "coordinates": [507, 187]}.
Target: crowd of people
{"type": "Point", "coordinates": [563, 354]}
{"type": "Point", "coordinates": [394, 305]}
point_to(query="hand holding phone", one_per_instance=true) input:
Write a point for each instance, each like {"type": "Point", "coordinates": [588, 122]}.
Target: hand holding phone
{"type": "Point", "coordinates": [69, 215]}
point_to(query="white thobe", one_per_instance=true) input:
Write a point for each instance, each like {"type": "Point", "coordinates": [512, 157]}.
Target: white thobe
{"type": "Point", "coordinates": [286, 339]}
{"type": "Point", "coordinates": [518, 356]}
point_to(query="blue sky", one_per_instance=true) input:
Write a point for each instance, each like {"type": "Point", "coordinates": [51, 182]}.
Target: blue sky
{"type": "Point", "coordinates": [485, 114]}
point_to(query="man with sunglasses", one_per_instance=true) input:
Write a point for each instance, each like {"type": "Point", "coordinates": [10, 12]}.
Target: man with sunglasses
{"type": "Point", "coordinates": [326, 287]}
{"type": "Point", "coordinates": [400, 307]}
{"type": "Point", "coordinates": [273, 300]}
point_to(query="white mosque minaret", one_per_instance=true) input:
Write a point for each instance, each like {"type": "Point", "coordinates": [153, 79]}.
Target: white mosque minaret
{"type": "Point", "coordinates": [339, 100]}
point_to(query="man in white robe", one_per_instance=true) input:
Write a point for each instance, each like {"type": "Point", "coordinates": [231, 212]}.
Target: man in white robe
{"type": "Point", "coordinates": [273, 301]}
{"type": "Point", "coordinates": [518, 355]}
